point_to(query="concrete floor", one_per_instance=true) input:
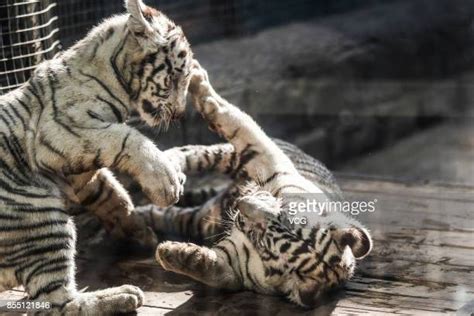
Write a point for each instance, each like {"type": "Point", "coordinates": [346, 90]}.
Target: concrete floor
{"type": "Point", "coordinates": [444, 153]}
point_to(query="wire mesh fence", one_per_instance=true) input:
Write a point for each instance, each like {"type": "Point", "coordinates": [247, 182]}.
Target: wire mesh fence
{"type": "Point", "coordinates": [201, 20]}
{"type": "Point", "coordinates": [31, 29]}
{"type": "Point", "coordinates": [29, 35]}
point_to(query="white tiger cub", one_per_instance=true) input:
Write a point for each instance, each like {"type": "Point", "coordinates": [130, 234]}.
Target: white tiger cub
{"type": "Point", "coordinates": [63, 127]}
{"type": "Point", "coordinates": [262, 250]}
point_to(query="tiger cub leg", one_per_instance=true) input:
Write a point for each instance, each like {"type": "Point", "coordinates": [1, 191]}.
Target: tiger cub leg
{"type": "Point", "coordinates": [260, 156]}
{"type": "Point", "coordinates": [40, 248]}
{"type": "Point", "coordinates": [106, 198]}
{"type": "Point", "coordinates": [203, 222]}
{"type": "Point", "coordinates": [198, 159]}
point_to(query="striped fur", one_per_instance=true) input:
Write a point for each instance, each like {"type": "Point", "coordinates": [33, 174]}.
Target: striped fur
{"type": "Point", "coordinates": [260, 251]}
{"type": "Point", "coordinates": [63, 128]}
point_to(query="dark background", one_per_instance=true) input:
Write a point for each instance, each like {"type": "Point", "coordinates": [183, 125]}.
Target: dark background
{"type": "Point", "coordinates": [371, 87]}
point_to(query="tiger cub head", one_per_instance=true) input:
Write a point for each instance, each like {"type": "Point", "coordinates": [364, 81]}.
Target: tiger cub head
{"type": "Point", "coordinates": [303, 264]}
{"type": "Point", "coordinates": [161, 64]}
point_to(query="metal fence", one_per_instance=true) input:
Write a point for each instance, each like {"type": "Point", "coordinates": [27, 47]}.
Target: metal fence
{"type": "Point", "coordinates": [29, 35]}
{"type": "Point", "coordinates": [31, 29]}
{"type": "Point", "coordinates": [204, 20]}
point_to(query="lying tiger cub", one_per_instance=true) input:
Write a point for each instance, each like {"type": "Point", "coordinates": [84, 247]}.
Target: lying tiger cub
{"type": "Point", "coordinates": [261, 250]}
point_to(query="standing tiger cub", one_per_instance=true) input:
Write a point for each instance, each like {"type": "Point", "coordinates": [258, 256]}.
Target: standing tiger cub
{"type": "Point", "coordinates": [59, 132]}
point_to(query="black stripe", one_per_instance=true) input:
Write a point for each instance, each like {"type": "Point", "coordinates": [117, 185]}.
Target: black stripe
{"type": "Point", "coordinates": [104, 86]}
{"type": "Point", "coordinates": [322, 254]}
{"type": "Point", "coordinates": [228, 257]}
{"type": "Point", "coordinates": [284, 247]}
{"type": "Point", "coordinates": [109, 33]}
{"type": "Point", "coordinates": [278, 192]}
{"type": "Point", "coordinates": [157, 70]}
{"type": "Point", "coordinates": [272, 177]}
{"type": "Point", "coordinates": [66, 127]}
{"type": "Point", "coordinates": [312, 236]}
{"type": "Point", "coordinates": [113, 62]}
{"type": "Point", "coordinates": [300, 250]}
{"type": "Point", "coordinates": [270, 256]}
{"type": "Point", "coordinates": [32, 226]}
{"type": "Point", "coordinates": [56, 111]}
{"type": "Point", "coordinates": [8, 124]}
{"type": "Point", "coordinates": [115, 111]}
{"type": "Point", "coordinates": [51, 287]}
{"type": "Point", "coordinates": [14, 177]}
{"type": "Point", "coordinates": [5, 109]}
{"type": "Point", "coordinates": [34, 92]}
{"type": "Point", "coordinates": [58, 268]}
{"type": "Point", "coordinates": [97, 162]}
{"type": "Point", "coordinates": [9, 217]}
{"type": "Point", "coordinates": [247, 268]}
{"type": "Point", "coordinates": [50, 146]}
{"type": "Point", "coordinates": [272, 271]}
{"type": "Point", "coordinates": [26, 265]}
{"type": "Point", "coordinates": [169, 66]}
{"type": "Point", "coordinates": [302, 264]}
{"type": "Point", "coordinates": [188, 163]}
{"type": "Point", "coordinates": [323, 235]}
{"type": "Point", "coordinates": [5, 186]}
{"type": "Point", "coordinates": [36, 271]}
{"type": "Point", "coordinates": [310, 269]}
{"type": "Point", "coordinates": [234, 134]}
{"type": "Point", "coordinates": [95, 116]}
{"type": "Point", "coordinates": [40, 86]}
{"type": "Point", "coordinates": [94, 51]}
{"type": "Point", "coordinates": [17, 114]}
{"type": "Point", "coordinates": [118, 157]}
{"type": "Point", "coordinates": [92, 198]}
{"type": "Point", "coordinates": [66, 66]}
{"type": "Point", "coordinates": [217, 158]}
{"type": "Point", "coordinates": [246, 156]}
{"type": "Point", "coordinates": [24, 106]}
{"type": "Point", "coordinates": [239, 270]}
{"type": "Point", "coordinates": [192, 220]}
{"type": "Point", "coordinates": [15, 242]}
{"type": "Point", "coordinates": [232, 162]}
{"type": "Point", "coordinates": [17, 173]}
{"type": "Point", "coordinates": [188, 224]}
{"type": "Point", "coordinates": [39, 251]}
{"type": "Point", "coordinates": [106, 198]}
{"type": "Point", "coordinates": [16, 150]}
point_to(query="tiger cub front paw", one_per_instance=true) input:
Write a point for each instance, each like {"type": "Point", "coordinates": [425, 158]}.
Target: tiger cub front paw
{"type": "Point", "coordinates": [111, 301]}
{"type": "Point", "coordinates": [164, 183]}
{"type": "Point", "coordinates": [199, 86]}
{"type": "Point", "coordinates": [178, 256]}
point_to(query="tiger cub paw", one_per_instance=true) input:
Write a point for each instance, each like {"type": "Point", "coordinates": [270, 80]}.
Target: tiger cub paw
{"type": "Point", "coordinates": [163, 182]}
{"type": "Point", "coordinates": [182, 257]}
{"type": "Point", "coordinates": [111, 301]}
{"type": "Point", "coordinates": [167, 253]}
{"type": "Point", "coordinates": [199, 86]}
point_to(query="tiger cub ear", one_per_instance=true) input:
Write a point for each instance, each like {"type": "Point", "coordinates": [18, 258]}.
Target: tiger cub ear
{"type": "Point", "coordinates": [140, 20]}
{"type": "Point", "coordinates": [358, 239]}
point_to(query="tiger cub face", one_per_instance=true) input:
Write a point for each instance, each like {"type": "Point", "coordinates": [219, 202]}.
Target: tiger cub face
{"type": "Point", "coordinates": [161, 72]}
{"type": "Point", "coordinates": [302, 264]}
